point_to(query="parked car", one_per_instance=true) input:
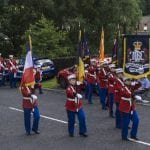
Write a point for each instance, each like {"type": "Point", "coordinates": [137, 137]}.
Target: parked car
{"type": "Point", "coordinates": [47, 67]}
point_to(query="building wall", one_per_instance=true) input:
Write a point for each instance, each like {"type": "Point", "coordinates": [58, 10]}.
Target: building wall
{"type": "Point", "coordinates": [144, 20]}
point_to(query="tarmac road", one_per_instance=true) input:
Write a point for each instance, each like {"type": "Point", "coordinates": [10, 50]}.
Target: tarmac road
{"type": "Point", "coordinates": [53, 126]}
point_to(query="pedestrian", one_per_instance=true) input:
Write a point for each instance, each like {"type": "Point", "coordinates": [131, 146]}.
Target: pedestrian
{"type": "Point", "coordinates": [74, 107]}
{"type": "Point", "coordinates": [30, 105]}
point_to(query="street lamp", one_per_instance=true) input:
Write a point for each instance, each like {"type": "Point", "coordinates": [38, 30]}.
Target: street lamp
{"type": "Point", "coordinates": [145, 27]}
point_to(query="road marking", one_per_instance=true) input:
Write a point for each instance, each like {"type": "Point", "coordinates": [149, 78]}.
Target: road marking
{"type": "Point", "coordinates": [143, 104]}
{"type": "Point", "coordinates": [42, 116]}
{"type": "Point", "coordinates": [140, 142]}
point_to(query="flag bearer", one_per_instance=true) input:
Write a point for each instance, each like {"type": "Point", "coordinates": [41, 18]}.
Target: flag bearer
{"type": "Point", "coordinates": [74, 107]}
{"type": "Point", "coordinates": [30, 105]}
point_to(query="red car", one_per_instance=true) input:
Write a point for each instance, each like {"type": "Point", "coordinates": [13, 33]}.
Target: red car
{"type": "Point", "coordinates": [63, 74]}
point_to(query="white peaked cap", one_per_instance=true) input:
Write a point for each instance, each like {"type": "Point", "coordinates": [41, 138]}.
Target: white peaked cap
{"type": "Point", "coordinates": [93, 60]}
{"type": "Point", "coordinates": [72, 76]}
{"type": "Point", "coordinates": [119, 70]}
{"type": "Point", "coordinates": [11, 56]}
{"type": "Point", "coordinates": [105, 63]}
{"type": "Point", "coordinates": [86, 65]}
{"type": "Point", "coordinates": [112, 66]}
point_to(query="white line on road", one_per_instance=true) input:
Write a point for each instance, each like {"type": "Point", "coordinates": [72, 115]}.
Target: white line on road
{"type": "Point", "coordinates": [143, 104]}
{"type": "Point", "coordinates": [42, 116]}
{"type": "Point", "coordinates": [140, 142]}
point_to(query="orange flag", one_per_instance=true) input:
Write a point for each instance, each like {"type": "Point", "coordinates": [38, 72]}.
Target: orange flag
{"type": "Point", "coordinates": [101, 47]}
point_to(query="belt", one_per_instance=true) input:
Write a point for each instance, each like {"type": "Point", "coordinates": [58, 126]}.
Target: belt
{"type": "Point", "coordinates": [70, 99]}
{"type": "Point", "coordinates": [105, 79]}
{"type": "Point", "coordinates": [27, 98]}
{"type": "Point", "coordinates": [92, 75]}
{"type": "Point", "coordinates": [126, 99]}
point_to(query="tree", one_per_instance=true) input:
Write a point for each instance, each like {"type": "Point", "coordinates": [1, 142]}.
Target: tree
{"type": "Point", "coordinates": [66, 15]}
{"type": "Point", "coordinates": [47, 40]}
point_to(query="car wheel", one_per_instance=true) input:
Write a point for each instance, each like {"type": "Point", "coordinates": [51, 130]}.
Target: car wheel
{"type": "Point", "coordinates": [63, 82]}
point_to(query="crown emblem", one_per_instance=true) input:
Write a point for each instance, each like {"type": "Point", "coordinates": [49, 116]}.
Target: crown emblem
{"type": "Point", "coordinates": [137, 45]}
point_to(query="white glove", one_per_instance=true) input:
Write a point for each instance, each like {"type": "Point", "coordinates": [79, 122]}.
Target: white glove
{"type": "Point", "coordinates": [133, 83]}
{"type": "Point", "coordinates": [137, 97]}
{"type": "Point", "coordinates": [79, 95]}
{"type": "Point", "coordinates": [79, 83]}
{"type": "Point", "coordinates": [34, 96]}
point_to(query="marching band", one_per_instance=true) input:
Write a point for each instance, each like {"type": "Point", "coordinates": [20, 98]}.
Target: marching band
{"type": "Point", "coordinates": [114, 89]}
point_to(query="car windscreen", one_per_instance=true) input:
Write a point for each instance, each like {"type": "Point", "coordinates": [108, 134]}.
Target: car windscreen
{"type": "Point", "coordinates": [43, 61]}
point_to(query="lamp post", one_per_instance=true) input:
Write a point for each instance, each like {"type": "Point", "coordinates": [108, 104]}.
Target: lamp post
{"type": "Point", "coordinates": [145, 27]}
{"type": "Point", "coordinates": [124, 25]}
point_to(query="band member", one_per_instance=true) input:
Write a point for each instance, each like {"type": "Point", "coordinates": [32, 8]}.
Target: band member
{"type": "Point", "coordinates": [128, 111]}
{"type": "Point", "coordinates": [111, 84]}
{"type": "Point", "coordinates": [38, 79]}
{"type": "Point", "coordinates": [2, 71]}
{"type": "Point", "coordinates": [12, 68]}
{"type": "Point", "coordinates": [103, 84]}
{"type": "Point", "coordinates": [30, 105]}
{"type": "Point", "coordinates": [117, 95]}
{"type": "Point", "coordinates": [74, 107]}
{"type": "Point", "coordinates": [85, 80]}
{"type": "Point", "coordinates": [91, 79]}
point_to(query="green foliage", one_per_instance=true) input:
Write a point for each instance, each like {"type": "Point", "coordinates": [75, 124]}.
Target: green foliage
{"type": "Point", "coordinates": [58, 34]}
{"type": "Point", "coordinates": [47, 40]}
{"type": "Point", "coordinates": [145, 6]}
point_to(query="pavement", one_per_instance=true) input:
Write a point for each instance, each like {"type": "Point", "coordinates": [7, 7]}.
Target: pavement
{"type": "Point", "coordinates": [102, 134]}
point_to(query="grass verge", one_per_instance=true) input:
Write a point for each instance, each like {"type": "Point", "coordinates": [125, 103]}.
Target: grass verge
{"type": "Point", "coordinates": [51, 83]}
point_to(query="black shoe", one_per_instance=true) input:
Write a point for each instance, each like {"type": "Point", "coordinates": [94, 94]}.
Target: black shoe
{"type": "Point", "coordinates": [111, 115]}
{"type": "Point", "coordinates": [90, 102]}
{"type": "Point", "coordinates": [28, 133]}
{"type": "Point", "coordinates": [36, 131]}
{"type": "Point", "coordinates": [129, 127]}
{"type": "Point", "coordinates": [125, 139]}
{"type": "Point", "coordinates": [71, 135]}
{"type": "Point", "coordinates": [83, 134]}
{"type": "Point", "coordinates": [118, 127]}
{"type": "Point", "coordinates": [134, 138]}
